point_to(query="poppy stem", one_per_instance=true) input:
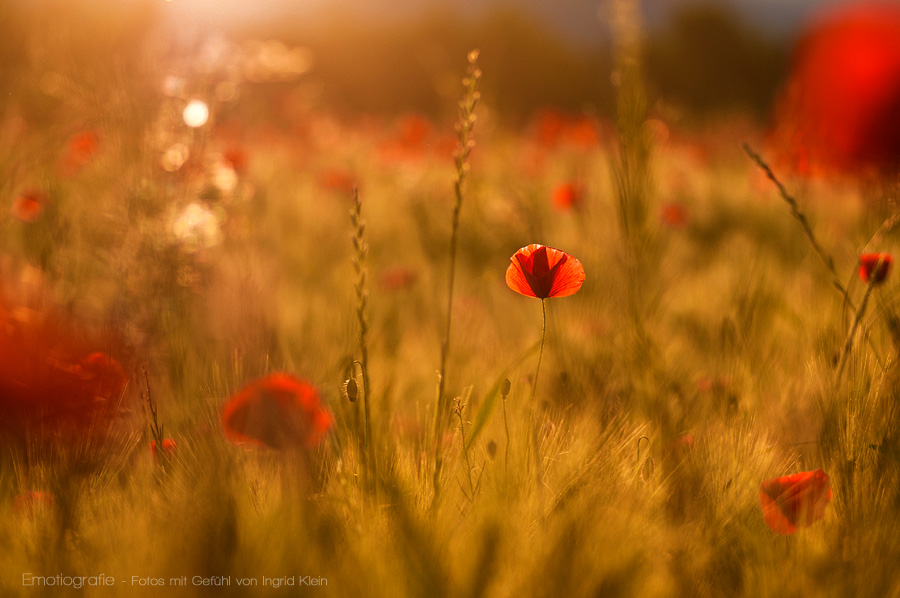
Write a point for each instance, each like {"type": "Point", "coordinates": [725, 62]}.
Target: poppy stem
{"type": "Point", "coordinates": [533, 408]}
{"type": "Point", "coordinates": [848, 344]}
{"type": "Point", "coordinates": [541, 351]}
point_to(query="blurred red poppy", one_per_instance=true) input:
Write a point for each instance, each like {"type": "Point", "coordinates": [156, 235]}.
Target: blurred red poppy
{"type": "Point", "coordinates": [278, 411]}
{"type": "Point", "coordinates": [674, 215]}
{"type": "Point", "coordinates": [236, 156]}
{"type": "Point", "coordinates": [550, 126]}
{"type": "Point", "coordinates": [29, 205]}
{"type": "Point", "coordinates": [168, 447]}
{"type": "Point", "coordinates": [51, 383]}
{"type": "Point", "coordinates": [875, 266]}
{"type": "Point", "coordinates": [80, 150]}
{"type": "Point", "coordinates": [27, 503]}
{"type": "Point", "coordinates": [794, 501]}
{"type": "Point", "coordinates": [567, 196]}
{"type": "Point", "coordinates": [397, 278]}
{"type": "Point", "coordinates": [840, 110]}
{"type": "Point", "coordinates": [542, 272]}
{"type": "Point", "coordinates": [553, 128]}
{"type": "Point", "coordinates": [335, 179]}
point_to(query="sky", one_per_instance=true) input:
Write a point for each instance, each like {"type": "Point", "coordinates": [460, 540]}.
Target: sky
{"type": "Point", "coordinates": [577, 20]}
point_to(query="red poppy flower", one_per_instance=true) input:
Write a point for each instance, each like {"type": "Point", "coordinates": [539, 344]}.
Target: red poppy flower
{"type": "Point", "coordinates": [841, 107]}
{"type": "Point", "coordinates": [567, 196]}
{"type": "Point", "coordinates": [794, 501]}
{"type": "Point", "coordinates": [278, 411]}
{"type": "Point", "coordinates": [539, 271]}
{"type": "Point", "coordinates": [51, 383]}
{"type": "Point", "coordinates": [550, 126]}
{"type": "Point", "coordinates": [875, 266]}
{"type": "Point", "coordinates": [29, 205]}
{"type": "Point", "coordinates": [236, 157]}
{"type": "Point", "coordinates": [397, 278]}
{"type": "Point", "coordinates": [80, 151]}
{"type": "Point", "coordinates": [27, 503]}
{"type": "Point", "coordinates": [335, 179]}
{"type": "Point", "coordinates": [168, 447]}
{"type": "Point", "coordinates": [674, 215]}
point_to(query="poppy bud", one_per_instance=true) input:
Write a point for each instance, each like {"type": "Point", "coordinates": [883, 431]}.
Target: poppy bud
{"type": "Point", "coordinates": [351, 390]}
{"type": "Point", "coordinates": [874, 266]}
{"type": "Point", "coordinates": [505, 387]}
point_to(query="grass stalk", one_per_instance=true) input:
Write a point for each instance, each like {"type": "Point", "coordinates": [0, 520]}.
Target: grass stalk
{"type": "Point", "coordinates": [804, 223]}
{"type": "Point", "coordinates": [361, 249]}
{"type": "Point", "coordinates": [464, 130]}
{"type": "Point", "coordinates": [458, 409]}
{"type": "Point", "coordinates": [817, 247]}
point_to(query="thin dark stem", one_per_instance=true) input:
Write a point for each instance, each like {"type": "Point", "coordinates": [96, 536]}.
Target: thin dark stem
{"type": "Point", "coordinates": [807, 229]}
{"type": "Point", "coordinates": [848, 344]}
{"type": "Point", "coordinates": [804, 223]}
{"type": "Point", "coordinates": [506, 451]}
{"type": "Point", "coordinates": [535, 440]}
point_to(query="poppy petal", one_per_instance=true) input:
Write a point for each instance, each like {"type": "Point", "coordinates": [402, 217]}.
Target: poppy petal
{"type": "Point", "coordinates": [517, 280]}
{"type": "Point", "coordinates": [276, 411]}
{"type": "Point", "coordinates": [568, 279]}
{"type": "Point", "coordinates": [794, 501]}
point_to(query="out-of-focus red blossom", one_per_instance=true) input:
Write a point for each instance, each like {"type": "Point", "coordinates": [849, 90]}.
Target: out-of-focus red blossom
{"type": "Point", "coordinates": [334, 179]}
{"type": "Point", "coordinates": [840, 110]}
{"type": "Point", "coordinates": [568, 195]}
{"type": "Point", "coordinates": [684, 442]}
{"type": "Point", "coordinates": [550, 125]}
{"type": "Point", "coordinates": [29, 205]}
{"type": "Point", "coordinates": [583, 133]}
{"type": "Point", "coordinates": [278, 411]}
{"type": "Point", "coordinates": [168, 446]}
{"type": "Point", "coordinates": [397, 279]}
{"type": "Point", "coordinates": [80, 150]}
{"type": "Point", "coordinates": [794, 501]}
{"type": "Point", "coordinates": [414, 130]}
{"type": "Point", "coordinates": [52, 382]}
{"type": "Point", "coordinates": [236, 157]}
{"type": "Point", "coordinates": [717, 384]}
{"type": "Point", "coordinates": [681, 447]}
{"type": "Point", "coordinates": [674, 215]}
{"type": "Point", "coordinates": [875, 266]}
{"type": "Point", "coordinates": [412, 138]}
{"type": "Point", "coordinates": [445, 147]}
{"type": "Point", "coordinates": [27, 503]}
{"type": "Point", "coordinates": [542, 272]}
{"type": "Point", "coordinates": [553, 128]}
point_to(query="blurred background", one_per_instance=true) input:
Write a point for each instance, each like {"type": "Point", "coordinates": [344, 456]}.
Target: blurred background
{"type": "Point", "coordinates": [703, 59]}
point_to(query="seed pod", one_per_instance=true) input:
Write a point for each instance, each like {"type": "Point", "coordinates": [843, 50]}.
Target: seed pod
{"type": "Point", "coordinates": [351, 390]}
